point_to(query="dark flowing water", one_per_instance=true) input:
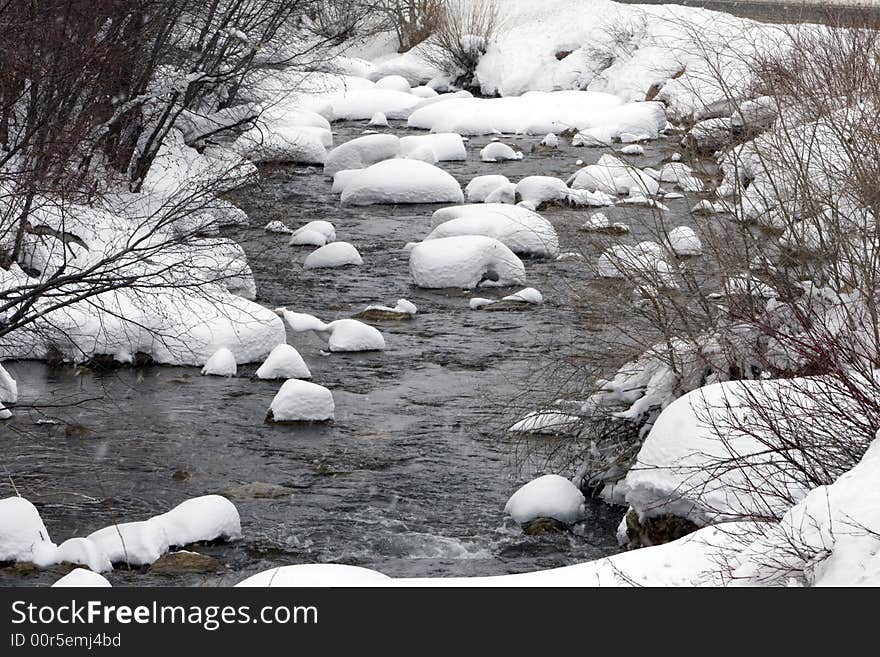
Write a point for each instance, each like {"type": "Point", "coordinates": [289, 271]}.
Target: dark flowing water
{"type": "Point", "coordinates": [412, 477]}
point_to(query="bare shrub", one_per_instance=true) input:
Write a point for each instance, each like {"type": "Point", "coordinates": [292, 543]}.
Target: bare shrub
{"type": "Point", "coordinates": [461, 38]}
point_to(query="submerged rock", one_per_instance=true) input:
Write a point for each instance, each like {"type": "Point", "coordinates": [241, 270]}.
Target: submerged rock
{"type": "Point", "coordinates": [542, 526]}
{"type": "Point", "coordinates": [257, 490]}
{"type": "Point", "coordinates": [177, 563]}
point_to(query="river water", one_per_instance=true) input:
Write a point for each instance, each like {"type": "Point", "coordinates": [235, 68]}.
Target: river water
{"type": "Point", "coordinates": [412, 477]}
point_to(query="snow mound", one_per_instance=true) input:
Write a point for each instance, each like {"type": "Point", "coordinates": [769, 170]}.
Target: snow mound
{"type": "Point", "coordinates": [361, 152]}
{"type": "Point", "coordinates": [465, 261]}
{"type": "Point", "coordinates": [284, 143]}
{"type": "Point", "coordinates": [78, 550]}
{"type": "Point", "coordinates": [136, 543]}
{"type": "Point", "coordinates": [393, 82]}
{"type": "Point", "coordinates": [548, 422]}
{"type": "Point", "coordinates": [518, 229]}
{"type": "Point", "coordinates": [284, 362]}
{"type": "Point", "coordinates": [82, 578]}
{"type": "Point", "coordinates": [550, 140]}
{"type": "Point", "coordinates": [498, 152]}
{"type": "Point", "coordinates": [205, 518]}
{"type": "Point", "coordinates": [550, 496]}
{"type": "Point", "coordinates": [302, 401]}
{"type": "Point", "coordinates": [379, 120]}
{"type": "Point", "coordinates": [684, 241]}
{"type": "Point", "coordinates": [403, 307]}
{"type": "Point", "coordinates": [442, 147]}
{"type": "Point", "coordinates": [402, 181]}
{"type": "Point", "coordinates": [335, 254]}
{"type": "Point", "coordinates": [345, 334]}
{"type": "Point", "coordinates": [534, 191]}
{"type": "Point", "coordinates": [277, 227]}
{"type": "Point", "coordinates": [526, 295]}
{"type": "Point", "coordinates": [316, 575]}
{"type": "Point", "coordinates": [21, 530]}
{"type": "Point", "coordinates": [682, 176]}
{"type": "Point", "coordinates": [481, 187]}
{"type": "Point", "coordinates": [613, 176]}
{"type": "Point", "coordinates": [361, 104]}
{"type": "Point", "coordinates": [314, 233]}
{"type": "Point", "coordinates": [505, 194]}
{"type": "Point", "coordinates": [222, 363]}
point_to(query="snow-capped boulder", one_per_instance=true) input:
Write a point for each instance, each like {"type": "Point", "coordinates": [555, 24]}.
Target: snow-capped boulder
{"type": "Point", "coordinates": [550, 496]}
{"type": "Point", "coordinates": [316, 575]}
{"type": "Point", "coordinates": [644, 263]}
{"type": "Point", "coordinates": [443, 147]}
{"type": "Point", "coordinates": [402, 310]}
{"type": "Point", "coordinates": [335, 254]}
{"type": "Point", "coordinates": [361, 152]}
{"type": "Point", "coordinates": [379, 120]}
{"type": "Point", "coordinates": [613, 176]}
{"type": "Point", "coordinates": [8, 393]}
{"type": "Point", "coordinates": [465, 261]}
{"type": "Point", "coordinates": [526, 295]}
{"type": "Point", "coordinates": [504, 194]}
{"type": "Point", "coordinates": [548, 422]}
{"type": "Point", "coordinates": [80, 551]}
{"type": "Point", "coordinates": [277, 227]}
{"type": "Point", "coordinates": [684, 241]}
{"type": "Point", "coordinates": [393, 82]}
{"type": "Point", "coordinates": [136, 543]}
{"type": "Point", "coordinates": [344, 334]}
{"type": "Point", "coordinates": [518, 228]}
{"type": "Point", "coordinates": [21, 530]}
{"type": "Point", "coordinates": [82, 578]}
{"type": "Point", "coordinates": [302, 401]}
{"type": "Point", "coordinates": [498, 152]}
{"type": "Point", "coordinates": [314, 233]}
{"type": "Point", "coordinates": [402, 181]}
{"type": "Point", "coordinates": [481, 186]}
{"type": "Point", "coordinates": [550, 140]}
{"type": "Point", "coordinates": [205, 518]}
{"type": "Point", "coordinates": [423, 91]}
{"type": "Point", "coordinates": [284, 362]}
{"type": "Point", "coordinates": [222, 363]}
{"type": "Point", "coordinates": [534, 191]}
{"type": "Point", "coordinates": [632, 150]}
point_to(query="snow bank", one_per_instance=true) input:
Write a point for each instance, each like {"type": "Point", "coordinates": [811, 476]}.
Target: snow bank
{"type": "Point", "coordinates": [205, 518]}
{"type": "Point", "coordinates": [335, 254]}
{"type": "Point", "coordinates": [517, 228]}
{"type": "Point", "coordinates": [284, 362]}
{"type": "Point", "coordinates": [466, 261]}
{"type": "Point", "coordinates": [280, 142]}
{"type": "Point", "coordinates": [222, 363]}
{"type": "Point", "coordinates": [314, 233]}
{"type": "Point", "coordinates": [402, 181]}
{"type": "Point", "coordinates": [361, 104]}
{"type": "Point", "coordinates": [550, 496]}
{"type": "Point", "coordinates": [302, 401]}
{"type": "Point", "coordinates": [361, 152]}
{"type": "Point", "coordinates": [21, 530]}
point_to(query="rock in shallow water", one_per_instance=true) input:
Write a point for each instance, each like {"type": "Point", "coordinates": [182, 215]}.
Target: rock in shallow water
{"type": "Point", "coordinates": [177, 563]}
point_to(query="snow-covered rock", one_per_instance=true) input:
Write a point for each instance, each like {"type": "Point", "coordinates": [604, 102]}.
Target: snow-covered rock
{"type": "Point", "coordinates": [335, 254]}
{"type": "Point", "coordinates": [285, 143]}
{"type": "Point", "coordinates": [361, 104]}
{"type": "Point", "coordinates": [361, 152]}
{"type": "Point", "coordinates": [517, 228]}
{"type": "Point", "coordinates": [526, 295]}
{"type": "Point", "coordinates": [205, 518]}
{"type": "Point", "coordinates": [550, 140]}
{"type": "Point", "coordinates": [548, 422]}
{"type": "Point", "coordinates": [481, 187]}
{"type": "Point", "coordinates": [82, 578]}
{"type": "Point", "coordinates": [277, 227]}
{"type": "Point", "coordinates": [681, 175]}
{"type": "Point", "coordinates": [394, 82]}
{"type": "Point", "coordinates": [441, 147]}
{"type": "Point", "coordinates": [314, 233]}
{"type": "Point", "coordinates": [465, 261]}
{"type": "Point", "coordinates": [284, 362]}
{"type": "Point", "coordinates": [550, 496]}
{"type": "Point", "coordinates": [534, 191]}
{"type": "Point", "coordinates": [302, 401]}
{"type": "Point", "coordinates": [684, 241]}
{"type": "Point", "coordinates": [379, 120]}
{"type": "Point", "coordinates": [21, 530]}
{"type": "Point", "coordinates": [136, 543]}
{"type": "Point", "coordinates": [222, 363]}
{"type": "Point", "coordinates": [402, 181]}
{"type": "Point", "coordinates": [344, 334]}
{"type": "Point", "coordinates": [80, 551]}
{"type": "Point", "coordinates": [613, 176]}
{"type": "Point", "coordinates": [315, 575]}
{"type": "Point", "coordinates": [8, 393]}
{"type": "Point", "coordinates": [498, 152]}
